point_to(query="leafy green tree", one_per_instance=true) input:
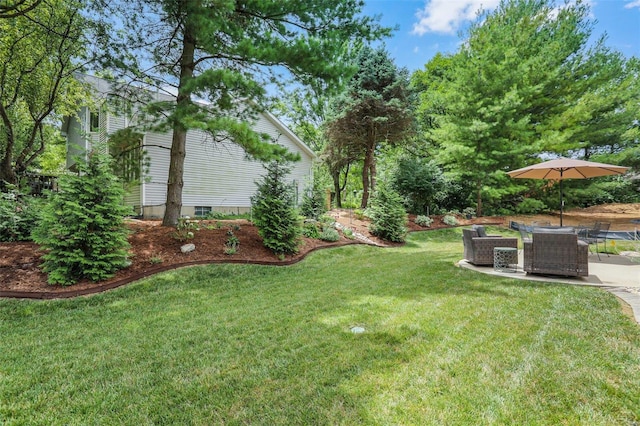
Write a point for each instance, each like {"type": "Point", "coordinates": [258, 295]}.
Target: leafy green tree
{"type": "Point", "coordinates": [420, 182]}
{"type": "Point", "coordinates": [430, 84]}
{"type": "Point", "coordinates": [388, 218]}
{"type": "Point", "coordinates": [376, 109]}
{"type": "Point", "coordinates": [16, 8]}
{"type": "Point", "coordinates": [304, 110]}
{"type": "Point", "coordinates": [41, 47]}
{"type": "Point", "coordinates": [274, 211]}
{"type": "Point", "coordinates": [82, 228]}
{"type": "Point", "coordinates": [226, 51]}
{"type": "Point", "coordinates": [526, 82]}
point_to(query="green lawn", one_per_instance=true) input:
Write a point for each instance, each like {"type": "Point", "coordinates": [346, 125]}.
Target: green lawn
{"type": "Point", "coordinates": [236, 344]}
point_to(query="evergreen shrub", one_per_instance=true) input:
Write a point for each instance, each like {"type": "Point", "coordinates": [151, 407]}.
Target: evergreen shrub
{"type": "Point", "coordinates": [82, 228]}
{"type": "Point", "coordinates": [313, 203]}
{"type": "Point", "coordinates": [274, 212]}
{"type": "Point", "coordinates": [388, 218]}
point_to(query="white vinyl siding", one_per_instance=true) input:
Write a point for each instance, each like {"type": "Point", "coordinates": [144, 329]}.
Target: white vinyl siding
{"type": "Point", "coordinates": [215, 174]}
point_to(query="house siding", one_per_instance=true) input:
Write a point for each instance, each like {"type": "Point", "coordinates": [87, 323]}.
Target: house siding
{"type": "Point", "coordinates": [217, 175]}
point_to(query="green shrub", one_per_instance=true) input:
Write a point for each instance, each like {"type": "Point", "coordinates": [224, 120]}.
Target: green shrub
{"type": "Point", "coordinates": [359, 214]}
{"type": "Point", "coordinates": [313, 203]}
{"type": "Point", "coordinates": [19, 214]}
{"type": "Point", "coordinates": [420, 182]}
{"type": "Point", "coordinates": [274, 212]}
{"type": "Point", "coordinates": [185, 229]}
{"type": "Point", "coordinates": [469, 212]}
{"type": "Point", "coordinates": [232, 244]}
{"type": "Point", "coordinates": [348, 233]}
{"type": "Point", "coordinates": [330, 234]}
{"type": "Point", "coordinates": [450, 220]}
{"type": "Point", "coordinates": [82, 227]}
{"type": "Point", "coordinates": [388, 218]}
{"type": "Point", "coordinates": [311, 229]}
{"type": "Point", "coordinates": [423, 220]}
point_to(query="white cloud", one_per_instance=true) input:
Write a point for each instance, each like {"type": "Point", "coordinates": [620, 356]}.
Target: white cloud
{"type": "Point", "coordinates": [635, 3]}
{"type": "Point", "coordinates": [416, 49]}
{"type": "Point", "coordinates": [446, 16]}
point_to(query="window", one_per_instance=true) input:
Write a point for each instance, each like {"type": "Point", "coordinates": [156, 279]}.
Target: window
{"type": "Point", "coordinates": [94, 122]}
{"type": "Point", "coordinates": [202, 211]}
{"type": "Point", "coordinates": [125, 146]}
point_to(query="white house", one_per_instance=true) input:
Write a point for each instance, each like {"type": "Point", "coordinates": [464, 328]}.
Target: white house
{"type": "Point", "coordinates": [218, 176]}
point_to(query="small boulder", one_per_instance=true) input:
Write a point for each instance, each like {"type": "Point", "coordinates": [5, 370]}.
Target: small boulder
{"type": "Point", "coordinates": [188, 248]}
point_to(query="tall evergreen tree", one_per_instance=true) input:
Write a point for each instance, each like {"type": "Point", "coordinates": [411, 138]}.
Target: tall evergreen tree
{"type": "Point", "coordinates": [227, 52]}
{"type": "Point", "coordinates": [525, 82]}
{"type": "Point", "coordinates": [375, 109]}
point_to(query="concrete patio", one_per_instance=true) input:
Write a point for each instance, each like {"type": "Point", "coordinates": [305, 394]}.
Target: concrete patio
{"type": "Point", "coordinates": [617, 274]}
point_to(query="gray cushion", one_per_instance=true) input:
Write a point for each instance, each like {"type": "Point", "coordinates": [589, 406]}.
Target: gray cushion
{"type": "Point", "coordinates": [559, 230]}
{"type": "Point", "coordinates": [480, 230]}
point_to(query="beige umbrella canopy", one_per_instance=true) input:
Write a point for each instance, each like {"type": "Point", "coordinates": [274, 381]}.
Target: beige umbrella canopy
{"type": "Point", "coordinates": [566, 168]}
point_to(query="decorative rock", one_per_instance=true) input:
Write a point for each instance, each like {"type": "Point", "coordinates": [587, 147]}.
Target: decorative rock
{"type": "Point", "coordinates": [188, 248]}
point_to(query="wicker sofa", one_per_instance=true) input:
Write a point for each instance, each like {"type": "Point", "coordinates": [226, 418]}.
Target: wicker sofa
{"type": "Point", "coordinates": [556, 252]}
{"type": "Point", "coordinates": [479, 250]}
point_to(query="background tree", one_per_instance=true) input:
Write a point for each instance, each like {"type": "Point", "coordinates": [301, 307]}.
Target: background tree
{"type": "Point", "coordinates": [421, 182]}
{"type": "Point", "coordinates": [525, 82]}
{"type": "Point", "coordinates": [228, 51]}
{"type": "Point", "coordinates": [41, 47]}
{"type": "Point", "coordinates": [15, 8]}
{"type": "Point", "coordinates": [375, 109]}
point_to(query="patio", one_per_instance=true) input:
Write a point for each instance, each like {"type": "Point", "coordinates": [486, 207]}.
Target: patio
{"type": "Point", "coordinates": [617, 274]}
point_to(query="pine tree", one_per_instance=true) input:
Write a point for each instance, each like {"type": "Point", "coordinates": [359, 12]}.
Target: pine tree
{"type": "Point", "coordinates": [82, 228]}
{"type": "Point", "coordinates": [274, 211]}
{"type": "Point", "coordinates": [388, 218]}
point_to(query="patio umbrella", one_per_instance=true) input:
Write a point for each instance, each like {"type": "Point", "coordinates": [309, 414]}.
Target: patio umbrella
{"type": "Point", "coordinates": [566, 168]}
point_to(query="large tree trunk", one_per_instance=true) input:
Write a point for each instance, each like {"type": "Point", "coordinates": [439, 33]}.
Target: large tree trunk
{"type": "Point", "coordinates": [7, 173]}
{"type": "Point", "coordinates": [337, 190]}
{"type": "Point", "coordinates": [175, 182]}
{"type": "Point", "coordinates": [366, 177]}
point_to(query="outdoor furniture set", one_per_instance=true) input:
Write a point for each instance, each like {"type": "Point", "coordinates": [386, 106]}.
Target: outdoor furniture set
{"type": "Point", "coordinates": [547, 250]}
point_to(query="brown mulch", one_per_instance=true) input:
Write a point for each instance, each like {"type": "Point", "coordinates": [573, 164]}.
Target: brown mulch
{"type": "Point", "coordinates": [154, 249]}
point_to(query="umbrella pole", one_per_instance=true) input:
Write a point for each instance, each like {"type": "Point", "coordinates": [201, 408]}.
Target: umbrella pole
{"type": "Point", "coordinates": [561, 200]}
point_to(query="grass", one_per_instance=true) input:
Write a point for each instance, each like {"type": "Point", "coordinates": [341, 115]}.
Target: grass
{"type": "Point", "coordinates": [240, 344]}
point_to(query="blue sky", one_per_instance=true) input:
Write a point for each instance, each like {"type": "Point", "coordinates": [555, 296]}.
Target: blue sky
{"type": "Point", "coordinates": [427, 27]}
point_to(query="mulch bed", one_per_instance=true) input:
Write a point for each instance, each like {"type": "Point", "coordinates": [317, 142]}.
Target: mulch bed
{"type": "Point", "coordinates": [155, 249]}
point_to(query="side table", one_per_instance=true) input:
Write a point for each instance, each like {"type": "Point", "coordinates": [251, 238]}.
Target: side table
{"type": "Point", "coordinates": [505, 259]}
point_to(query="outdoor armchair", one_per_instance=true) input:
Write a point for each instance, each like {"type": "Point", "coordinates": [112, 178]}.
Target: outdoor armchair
{"type": "Point", "coordinates": [556, 253]}
{"type": "Point", "coordinates": [479, 250]}
{"type": "Point", "coordinates": [597, 233]}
